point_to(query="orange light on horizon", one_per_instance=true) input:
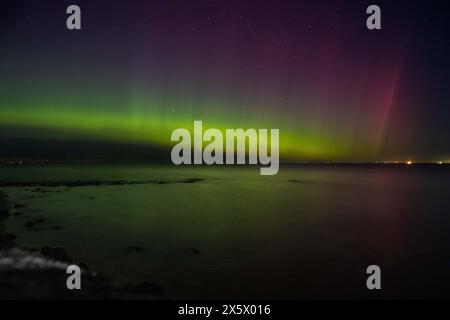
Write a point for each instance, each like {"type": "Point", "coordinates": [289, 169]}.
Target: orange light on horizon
{"type": "Point", "coordinates": [409, 163]}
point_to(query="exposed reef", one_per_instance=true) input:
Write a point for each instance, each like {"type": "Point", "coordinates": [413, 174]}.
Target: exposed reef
{"type": "Point", "coordinates": [85, 183]}
{"type": "Point", "coordinates": [28, 273]}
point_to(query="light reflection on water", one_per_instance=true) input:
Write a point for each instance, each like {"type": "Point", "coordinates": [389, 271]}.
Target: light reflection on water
{"type": "Point", "coordinates": [306, 232]}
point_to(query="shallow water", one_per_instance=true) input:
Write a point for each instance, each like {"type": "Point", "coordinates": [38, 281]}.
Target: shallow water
{"type": "Point", "coordinates": [308, 232]}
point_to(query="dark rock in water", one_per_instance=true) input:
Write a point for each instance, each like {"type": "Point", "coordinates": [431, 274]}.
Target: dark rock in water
{"type": "Point", "coordinates": [2, 240]}
{"type": "Point", "coordinates": [193, 180]}
{"type": "Point", "coordinates": [33, 223]}
{"type": "Point", "coordinates": [30, 224]}
{"type": "Point", "coordinates": [306, 182]}
{"type": "Point", "coordinates": [18, 213]}
{"type": "Point", "coordinates": [10, 236]}
{"type": "Point", "coordinates": [296, 181]}
{"type": "Point", "coordinates": [83, 266]}
{"type": "Point", "coordinates": [79, 183]}
{"type": "Point", "coordinates": [135, 248]}
{"type": "Point", "coordinates": [20, 206]}
{"type": "Point", "coordinates": [56, 253]}
{"type": "Point", "coordinates": [150, 289]}
{"type": "Point", "coordinates": [87, 197]}
{"type": "Point", "coordinates": [28, 275]}
{"type": "Point", "coordinates": [192, 251]}
{"type": "Point", "coordinates": [57, 227]}
{"type": "Point", "coordinates": [6, 241]}
{"type": "Point", "coordinates": [4, 212]}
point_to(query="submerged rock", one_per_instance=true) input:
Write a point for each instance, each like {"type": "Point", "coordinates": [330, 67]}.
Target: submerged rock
{"type": "Point", "coordinates": [31, 275]}
{"type": "Point", "coordinates": [84, 183]}
{"type": "Point", "coordinates": [192, 251]}
{"type": "Point", "coordinates": [149, 289]}
{"type": "Point", "coordinates": [134, 248]}
{"type": "Point", "coordinates": [56, 253]}
{"type": "Point", "coordinates": [4, 211]}
{"type": "Point", "coordinates": [192, 180]}
{"type": "Point", "coordinates": [5, 242]}
{"type": "Point", "coordinates": [11, 236]}
{"type": "Point", "coordinates": [41, 274]}
{"type": "Point", "coordinates": [33, 223]}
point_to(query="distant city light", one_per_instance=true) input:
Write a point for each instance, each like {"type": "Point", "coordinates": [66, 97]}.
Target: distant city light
{"type": "Point", "coordinates": [409, 163]}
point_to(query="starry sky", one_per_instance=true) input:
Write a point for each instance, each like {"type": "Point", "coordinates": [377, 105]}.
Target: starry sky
{"type": "Point", "coordinates": [140, 69]}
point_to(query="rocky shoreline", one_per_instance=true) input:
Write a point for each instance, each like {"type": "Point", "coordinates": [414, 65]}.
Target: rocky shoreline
{"type": "Point", "coordinates": [85, 183]}
{"type": "Point", "coordinates": [28, 273]}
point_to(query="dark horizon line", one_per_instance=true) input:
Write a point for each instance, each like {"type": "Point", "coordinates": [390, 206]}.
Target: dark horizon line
{"type": "Point", "coordinates": [285, 163]}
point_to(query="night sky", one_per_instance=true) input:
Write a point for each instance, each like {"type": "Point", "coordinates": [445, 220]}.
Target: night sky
{"type": "Point", "coordinates": [140, 69]}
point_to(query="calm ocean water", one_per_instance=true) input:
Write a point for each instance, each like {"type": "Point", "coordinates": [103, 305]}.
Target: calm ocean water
{"type": "Point", "coordinates": [308, 232]}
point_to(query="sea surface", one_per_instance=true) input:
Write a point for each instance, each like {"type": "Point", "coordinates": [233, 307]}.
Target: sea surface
{"type": "Point", "coordinates": [228, 232]}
